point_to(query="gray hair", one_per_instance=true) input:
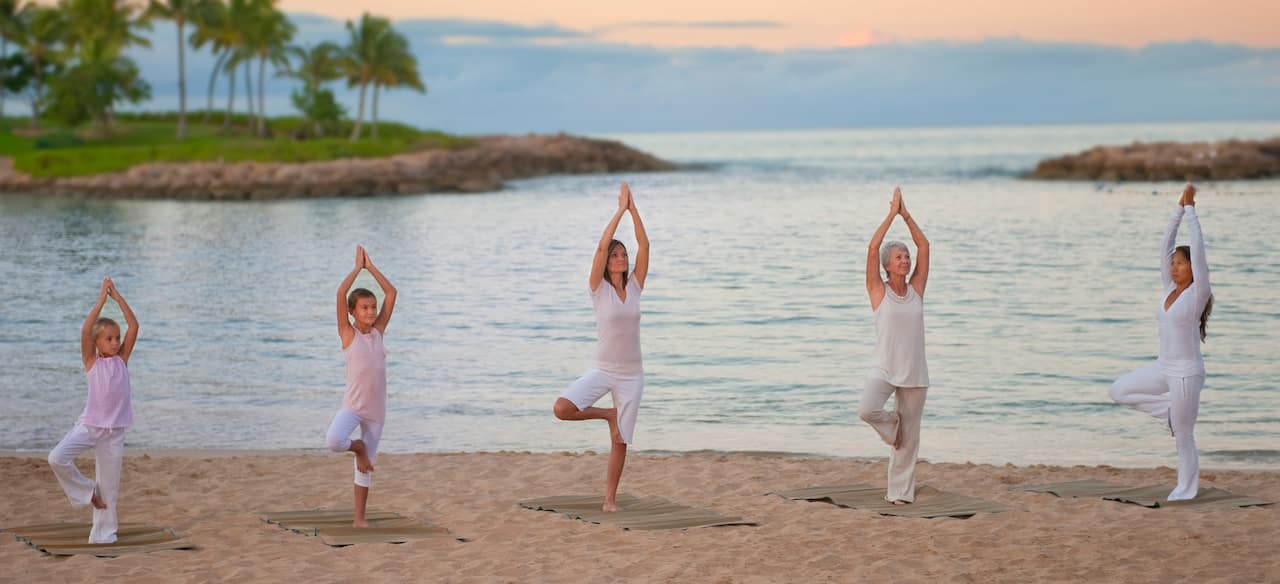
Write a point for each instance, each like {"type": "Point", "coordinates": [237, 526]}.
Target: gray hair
{"type": "Point", "coordinates": [888, 248]}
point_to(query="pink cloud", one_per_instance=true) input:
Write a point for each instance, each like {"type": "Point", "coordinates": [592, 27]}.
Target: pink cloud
{"type": "Point", "coordinates": [864, 37]}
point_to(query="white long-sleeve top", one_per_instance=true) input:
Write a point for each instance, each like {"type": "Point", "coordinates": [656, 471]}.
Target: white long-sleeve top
{"type": "Point", "coordinates": [1180, 324]}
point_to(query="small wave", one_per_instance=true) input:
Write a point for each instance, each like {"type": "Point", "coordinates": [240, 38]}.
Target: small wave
{"type": "Point", "coordinates": [1244, 455]}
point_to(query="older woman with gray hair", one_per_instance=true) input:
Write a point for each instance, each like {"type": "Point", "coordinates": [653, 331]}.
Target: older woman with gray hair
{"type": "Point", "coordinates": [898, 368]}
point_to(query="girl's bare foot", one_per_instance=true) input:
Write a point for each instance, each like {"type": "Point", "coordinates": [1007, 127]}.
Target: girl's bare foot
{"type": "Point", "coordinates": [360, 523]}
{"type": "Point", "coordinates": [610, 506]}
{"type": "Point", "coordinates": [97, 501]}
{"type": "Point", "coordinates": [362, 458]}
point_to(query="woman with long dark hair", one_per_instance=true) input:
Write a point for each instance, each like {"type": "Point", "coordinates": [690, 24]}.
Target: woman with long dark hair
{"type": "Point", "coordinates": [617, 368]}
{"type": "Point", "coordinates": [1169, 389]}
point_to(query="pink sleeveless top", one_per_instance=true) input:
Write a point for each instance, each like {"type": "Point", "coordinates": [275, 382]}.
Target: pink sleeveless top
{"type": "Point", "coordinates": [366, 394]}
{"type": "Point", "coordinates": [108, 405]}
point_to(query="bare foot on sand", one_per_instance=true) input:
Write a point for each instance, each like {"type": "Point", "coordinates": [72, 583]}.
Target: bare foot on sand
{"type": "Point", "coordinates": [900, 502]}
{"type": "Point", "coordinates": [609, 506]}
{"type": "Point", "coordinates": [360, 523]}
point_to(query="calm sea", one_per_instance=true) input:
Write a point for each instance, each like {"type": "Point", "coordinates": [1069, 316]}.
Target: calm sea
{"type": "Point", "coordinates": [756, 330]}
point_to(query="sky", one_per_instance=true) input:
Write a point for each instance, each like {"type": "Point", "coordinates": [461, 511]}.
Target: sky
{"type": "Point", "coordinates": [775, 25]}
{"type": "Point", "coordinates": [661, 65]}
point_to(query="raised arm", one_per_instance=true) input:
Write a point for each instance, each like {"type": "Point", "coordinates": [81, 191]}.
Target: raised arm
{"type": "Point", "coordinates": [388, 292]}
{"type": "Point", "coordinates": [920, 276]}
{"type": "Point", "coordinates": [602, 248]}
{"type": "Point", "coordinates": [88, 350]}
{"type": "Point", "coordinates": [642, 239]}
{"type": "Point", "coordinates": [346, 332]}
{"type": "Point", "coordinates": [1199, 265]}
{"type": "Point", "coordinates": [875, 286]}
{"type": "Point", "coordinates": [130, 336]}
{"type": "Point", "coordinates": [1169, 243]}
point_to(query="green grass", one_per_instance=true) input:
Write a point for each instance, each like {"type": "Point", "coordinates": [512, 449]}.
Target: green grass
{"type": "Point", "coordinates": [149, 137]}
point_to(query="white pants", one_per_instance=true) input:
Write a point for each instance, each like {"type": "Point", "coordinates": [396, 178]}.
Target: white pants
{"type": "Point", "coordinates": [108, 450]}
{"type": "Point", "coordinates": [339, 440]}
{"type": "Point", "coordinates": [908, 409]}
{"type": "Point", "coordinates": [1175, 401]}
{"type": "Point", "coordinates": [626, 389]}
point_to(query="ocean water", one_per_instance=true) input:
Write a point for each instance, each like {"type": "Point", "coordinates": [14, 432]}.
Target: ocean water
{"type": "Point", "coordinates": [756, 328]}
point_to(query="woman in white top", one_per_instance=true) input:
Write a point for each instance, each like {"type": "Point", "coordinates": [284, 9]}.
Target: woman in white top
{"type": "Point", "coordinates": [1169, 389]}
{"type": "Point", "coordinates": [617, 368]}
{"type": "Point", "coordinates": [898, 368]}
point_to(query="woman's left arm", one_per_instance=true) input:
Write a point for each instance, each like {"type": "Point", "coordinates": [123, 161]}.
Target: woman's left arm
{"type": "Point", "coordinates": [642, 240]}
{"type": "Point", "coordinates": [1199, 265]}
{"type": "Point", "coordinates": [920, 276]}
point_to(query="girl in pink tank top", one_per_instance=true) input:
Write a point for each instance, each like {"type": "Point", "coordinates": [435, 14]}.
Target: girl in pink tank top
{"type": "Point", "coordinates": [364, 402]}
{"type": "Point", "coordinates": [107, 414]}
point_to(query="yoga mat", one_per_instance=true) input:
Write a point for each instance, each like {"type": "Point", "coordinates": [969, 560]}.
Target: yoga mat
{"type": "Point", "coordinates": [635, 513]}
{"type": "Point", "coordinates": [333, 526]}
{"type": "Point", "coordinates": [67, 539]}
{"type": "Point", "coordinates": [929, 503]}
{"type": "Point", "coordinates": [1152, 496]}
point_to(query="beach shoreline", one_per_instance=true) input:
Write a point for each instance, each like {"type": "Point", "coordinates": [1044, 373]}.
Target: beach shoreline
{"type": "Point", "coordinates": [213, 498]}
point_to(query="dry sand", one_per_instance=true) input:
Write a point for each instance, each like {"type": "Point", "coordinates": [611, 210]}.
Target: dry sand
{"type": "Point", "coordinates": [211, 498]}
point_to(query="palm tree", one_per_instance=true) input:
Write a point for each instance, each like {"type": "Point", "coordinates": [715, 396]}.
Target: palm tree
{"type": "Point", "coordinates": [396, 67]}
{"type": "Point", "coordinates": [39, 31]}
{"type": "Point", "coordinates": [98, 32]}
{"type": "Point", "coordinates": [361, 56]}
{"type": "Point", "coordinates": [214, 27]}
{"type": "Point", "coordinates": [316, 66]}
{"type": "Point", "coordinates": [180, 12]}
{"type": "Point", "coordinates": [268, 38]}
{"type": "Point", "coordinates": [8, 29]}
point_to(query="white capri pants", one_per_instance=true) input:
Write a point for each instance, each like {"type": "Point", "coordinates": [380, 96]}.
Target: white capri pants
{"type": "Point", "coordinates": [908, 409]}
{"type": "Point", "coordinates": [1176, 401]}
{"type": "Point", "coordinates": [339, 440]}
{"type": "Point", "coordinates": [108, 450]}
{"type": "Point", "coordinates": [626, 390]}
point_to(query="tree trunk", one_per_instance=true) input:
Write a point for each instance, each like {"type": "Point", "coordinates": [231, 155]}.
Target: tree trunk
{"type": "Point", "coordinates": [35, 103]}
{"type": "Point", "coordinates": [231, 100]}
{"type": "Point", "coordinates": [355, 131]}
{"type": "Point", "coordinates": [182, 84]}
{"type": "Point", "coordinates": [4, 56]}
{"type": "Point", "coordinates": [213, 77]}
{"type": "Point", "coordinates": [248, 90]}
{"type": "Point", "coordinates": [373, 128]}
{"type": "Point", "coordinates": [262, 90]}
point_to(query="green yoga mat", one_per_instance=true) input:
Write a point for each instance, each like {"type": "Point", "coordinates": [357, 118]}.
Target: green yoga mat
{"type": "Point", "coordinates": [333, 526]}
{"type": "Point", "coordinates": [69, 539]}
{"type": "Point", "coordinates": [1152, 496]}
{"type": "Point", "coordinates": [930, 502]}
{"type": "Point", "coordinates": [635, 513]}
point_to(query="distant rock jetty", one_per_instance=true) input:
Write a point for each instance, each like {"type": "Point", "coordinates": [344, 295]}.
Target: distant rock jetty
{"type": "Point", "coordinates": [1165, 161]}
{"type": "Point", "coordinates": [479, 168]}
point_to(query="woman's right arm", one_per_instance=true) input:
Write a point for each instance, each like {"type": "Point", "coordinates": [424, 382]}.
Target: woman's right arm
{"type": "Point", "coordinates": [88, 352]}
{"type": "Point", "coordinates": [602, 248]}
{"type": "Point", "coordinates": [875, 286]}
{"type": "Point", "coordinates": [1170, 239]}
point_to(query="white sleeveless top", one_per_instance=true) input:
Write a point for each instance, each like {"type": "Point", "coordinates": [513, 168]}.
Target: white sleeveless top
{"type": "Point", "coordinates": [899, 355]}
{"type": "Point", "coordinates": [617, 328]}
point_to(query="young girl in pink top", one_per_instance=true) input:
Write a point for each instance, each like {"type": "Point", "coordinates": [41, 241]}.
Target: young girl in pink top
{"type": "Point", "coordinates": [107, 414]}
{"type": "Point", "coordinates": [364, 403]}
{"type": "Point", "coordinates": [617, 369]}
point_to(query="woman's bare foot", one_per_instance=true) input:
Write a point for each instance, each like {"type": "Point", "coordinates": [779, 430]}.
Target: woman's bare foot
{"type": "Point", "coordinates": [610, 506]}
{"type": "Point", "coordinates": [360, 523]}
{"type": "Point", "coordinates": [615, 434]}
{"type": "Point", "coordinates": [97, 501]}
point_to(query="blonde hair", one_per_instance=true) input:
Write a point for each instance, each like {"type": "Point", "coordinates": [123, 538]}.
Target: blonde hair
{"type": "Point", "coordinates": [102, 323]}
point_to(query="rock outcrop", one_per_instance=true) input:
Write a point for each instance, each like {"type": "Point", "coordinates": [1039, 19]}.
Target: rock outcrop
{"type": "Point", "coordinates": [479, 168]}
{"type": "Point", "coordinates": [1163, 161]}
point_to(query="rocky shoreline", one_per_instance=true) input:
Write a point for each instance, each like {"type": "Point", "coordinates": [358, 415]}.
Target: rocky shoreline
{"type": "Point", "coordinates": [1167, 161]}
{"type": "Point", "coordinates": [480, 168]}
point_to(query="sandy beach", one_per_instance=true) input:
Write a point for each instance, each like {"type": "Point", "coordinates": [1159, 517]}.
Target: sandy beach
{"type": "Point", "coordinates": [212, 498]}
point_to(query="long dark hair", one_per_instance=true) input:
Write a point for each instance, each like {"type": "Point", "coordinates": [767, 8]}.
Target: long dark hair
{"type": "Point", "coordinates": [612, 244]}
{"type": "Point", "coordinates": [1185, 250]}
